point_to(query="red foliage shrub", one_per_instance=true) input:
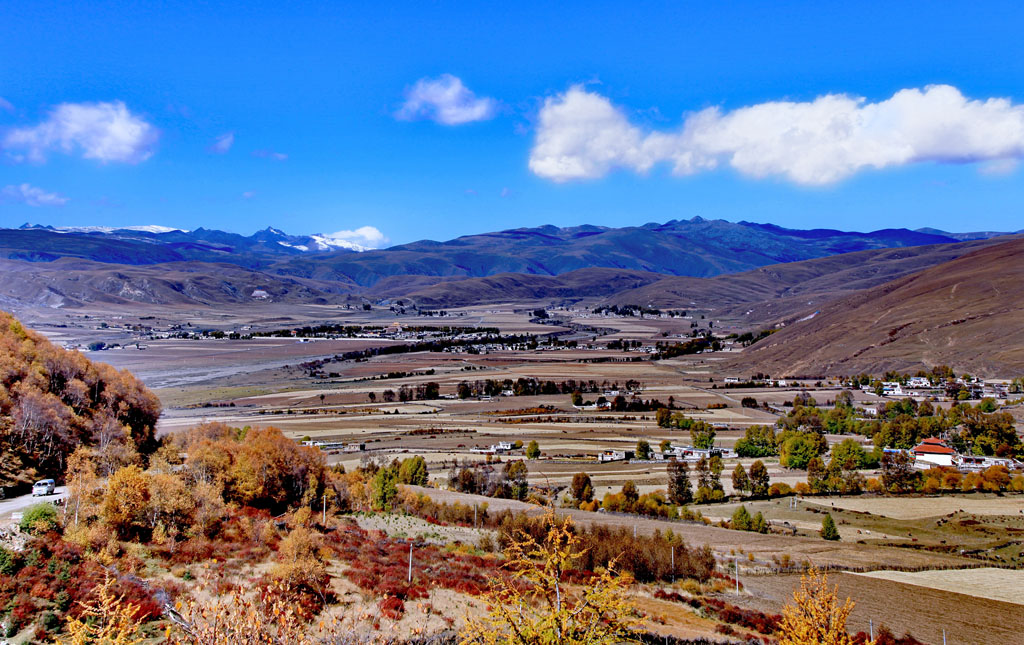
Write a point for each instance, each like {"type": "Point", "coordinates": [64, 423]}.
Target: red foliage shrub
{"type": "Point", "coordinates": [380, 565]}
{"type": "Point", "coordinates": [728, 613]}
{"type": "Point", "coordinates": [392, 607]}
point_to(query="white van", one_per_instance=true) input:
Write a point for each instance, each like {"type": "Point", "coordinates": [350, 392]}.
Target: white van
{"type": "Point", "coordinates": [43, 487]}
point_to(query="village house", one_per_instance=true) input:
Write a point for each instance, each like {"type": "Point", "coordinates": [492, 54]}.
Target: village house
{"type": "Point", "coordinates": [933, 452]}
{"type": "Point", "coordinates": [615, 455]}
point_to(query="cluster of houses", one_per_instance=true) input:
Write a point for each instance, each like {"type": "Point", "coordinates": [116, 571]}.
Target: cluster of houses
{"type": "Point", "coordinates": [933, 452]}
{"type": "Point", "coordinates": [335, 446]}
{"type": "Point", "coordinates": [679, 453]}
{"type": "Point", "coordinates": [922, 386]}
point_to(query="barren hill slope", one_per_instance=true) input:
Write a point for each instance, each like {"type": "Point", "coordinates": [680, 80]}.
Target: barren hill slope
{"type": "Point", "coordinates": [967, 313]}
{"type": "Point", "coordinates": [770, 294]}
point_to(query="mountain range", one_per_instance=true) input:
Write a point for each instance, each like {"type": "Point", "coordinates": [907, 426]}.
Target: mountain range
{"type": "Point", "coordinates": [694, 247]}
{"type": "Point", "coordinates": [843, 300]}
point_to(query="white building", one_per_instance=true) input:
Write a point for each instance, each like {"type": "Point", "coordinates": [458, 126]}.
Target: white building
{"type": "Point", "coordinates": [933, 452]}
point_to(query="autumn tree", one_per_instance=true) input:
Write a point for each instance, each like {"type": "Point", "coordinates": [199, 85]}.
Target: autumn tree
{"type": "Point", "coordinates": [630, 493]}
{"type": "Point", "coordinates": [702, 435]}
{"type": "Point", "coordinates": [643, 450]}
{"type": "Point", "coordinates": [384, 488]}
{"type": "Point", "coordinates": [680, 491]}
{"type": "Point", "coordinates": [741, 519]}
{"type": "Point", "coordinates": [709, 482]}
{"type": "Point", "coordinates": [84, 489]}
{"type": "Point", "coordinates": [815, 614]}
{"type": "Point", "coordinates": [126, 502]}
{"type": "Point", "coordinates": [532, 450]}
{"type": "Point", "coordinates": [740, 481]}
{"type": "Point", "coordinates": [515, 475]}
{"type": "Point", "coordinates": [300, 565]}
{"type": "Point", "coordinates": [759, 482]}
{"type": "Point", "coordinates": [534, 606]}
{"type": "Point", "coordinates": [413, 471]}
{"type": "Point", "coordinates": [816, 475]}
{"type": "Point", "coordinates": [582, 489]}
{"type": "Point", "coordinates": [758, 441]}
{"type": "Point", "coordinates": [898, 474]}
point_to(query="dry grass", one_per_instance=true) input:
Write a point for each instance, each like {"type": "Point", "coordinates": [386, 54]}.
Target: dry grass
{"type": "Point", "coordinates": [912, 508]}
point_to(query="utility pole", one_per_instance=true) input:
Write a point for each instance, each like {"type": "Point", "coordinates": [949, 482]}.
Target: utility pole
{"type": "Point", "coordinates": [410, 562]}
{"type": "Point", "coordinates": [673, 564]}
{"type": "Point", "coordinates": [736, 562]}
{"type": "Point", "coordinates": [871, 629]}
{"type": "Point", "coordinates": [324, 521]}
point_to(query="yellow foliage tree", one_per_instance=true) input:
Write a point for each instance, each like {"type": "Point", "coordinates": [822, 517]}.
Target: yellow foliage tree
{"type": "Point", "coordinates": [536, 607]}
{"type": "Point", "coordinates": [815, 617]}
{"type": "Point", "coordinates": [110, 621]}
{"type": "Point", "coordinates": [127, 500]}
{"type": "Point", "coordinates": [300, 563]}
{"type": "Point", "coordinates": [83, 487]}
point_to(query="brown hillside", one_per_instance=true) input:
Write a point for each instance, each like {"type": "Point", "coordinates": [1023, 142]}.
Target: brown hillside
{"type": "Point", "coordinates": [771, 294]}
{"type": "Point", "coordinates": [967, 313]}
{"type": "Point", "coordinates": [53, 400]}
{"type": "Point", "coordinates": [519, 287]}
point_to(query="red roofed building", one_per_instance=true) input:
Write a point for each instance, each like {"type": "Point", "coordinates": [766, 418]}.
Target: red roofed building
{"type": "Point", "coordinates": [933, 452]}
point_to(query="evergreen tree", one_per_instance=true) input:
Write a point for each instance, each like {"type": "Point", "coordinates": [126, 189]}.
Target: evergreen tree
{"type": "Point", "coordinates": [828, 529]}
{"type": "Point", "coordinates": [758, 524]}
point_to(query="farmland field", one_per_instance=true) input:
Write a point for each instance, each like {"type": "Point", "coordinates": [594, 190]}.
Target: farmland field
{"type": "Point", "coordinates": [922, 611]}
{"type": "Point", "coordinates": [909, 508]}
{"type": "Point", "coordinates": [995, 584]}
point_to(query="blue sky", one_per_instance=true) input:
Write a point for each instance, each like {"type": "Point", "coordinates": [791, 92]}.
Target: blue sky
{"type": "Point", "coordinates": [431, 120]}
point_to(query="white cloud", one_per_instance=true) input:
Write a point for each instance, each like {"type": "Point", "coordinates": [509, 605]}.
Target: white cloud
{"type": "Point", "coordinates": [445, 100]}
{"type": "Point", "coordinates": [249, 194]}
{"type": "Point", "coordinates": [270, 154]}
{"type": "Point", "coordinates": [6, 105]}
{"type": "Point", "coordinates": [582, 135]}
{"type": "Point", "coordinates": [31, 196]}
{"type": "Point", "coordinates": [365, 236]}
{"type": "Point", "coordinates": [107, 132]}
{"type": "Point", "coordinates": [222, 143]}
